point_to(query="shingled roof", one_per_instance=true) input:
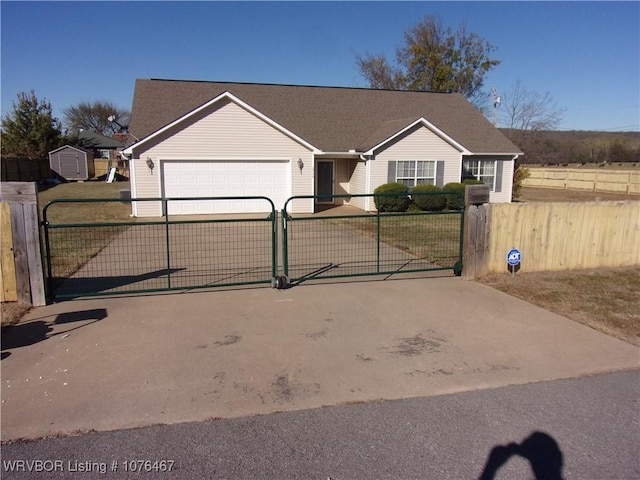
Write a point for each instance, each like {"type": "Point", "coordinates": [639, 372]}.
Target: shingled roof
{"type": "Point", "coordinates": [90, 139]}
{"type": "Point", "coordinates": [332, 119]}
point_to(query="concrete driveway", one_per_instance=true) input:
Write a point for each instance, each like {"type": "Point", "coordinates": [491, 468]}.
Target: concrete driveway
{"type": "Point", "coordinates": [114, 363]}
{"type": "Point", "coordinates": [199, 254]}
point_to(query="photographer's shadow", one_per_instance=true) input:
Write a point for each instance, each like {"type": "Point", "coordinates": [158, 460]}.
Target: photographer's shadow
{"type": "Point", "coordinates": [539, 448]}
{"type": "Point", "coordinates": [32, 332]}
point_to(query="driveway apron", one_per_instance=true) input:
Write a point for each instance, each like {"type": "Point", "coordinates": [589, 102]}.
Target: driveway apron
{"type": "Point", "coordinates": [120, 362]}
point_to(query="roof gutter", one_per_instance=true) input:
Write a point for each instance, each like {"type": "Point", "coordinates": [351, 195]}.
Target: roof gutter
{"type": "Point", "coordinates": [129, 149]}
{"type": "Point", "coordinates": [491, 154]}
{"type": "Point", "coordinates": [349, 154]}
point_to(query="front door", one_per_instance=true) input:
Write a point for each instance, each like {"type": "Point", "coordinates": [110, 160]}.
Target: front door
{"type": "Point", "coordinates": [324, 180]}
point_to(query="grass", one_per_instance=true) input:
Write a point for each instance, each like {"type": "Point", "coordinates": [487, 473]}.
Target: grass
{"type": "Point", "coordinates": [12, 312]}
{"type": "Point", "coordinates": [431, 237]}
{"type": "Point", "coordinates": [86, 212]}
{"type": "Point", "coordinates": [607, 300]}
{"type": "Point", "coordinates": [71, 248]}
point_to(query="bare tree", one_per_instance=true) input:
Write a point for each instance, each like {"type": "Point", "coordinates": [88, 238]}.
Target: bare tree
{"type": "Point", "coordinates": [379, 73]}
{"type": "Point", "coordinates": [526, 113]}
{"type": "Point", "coordinates": [434, 58]}
{"type": "Point", "coordinates": [94, 116]}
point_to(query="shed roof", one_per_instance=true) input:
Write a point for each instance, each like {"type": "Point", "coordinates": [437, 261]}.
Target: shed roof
{"type": "Point", "coordinates": [66, 147]}
{"type": "Point", "coordinates": [333, 119]}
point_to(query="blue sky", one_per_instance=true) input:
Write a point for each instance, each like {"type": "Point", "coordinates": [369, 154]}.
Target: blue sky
{"type": "Point", "coordinates": [586, 54]}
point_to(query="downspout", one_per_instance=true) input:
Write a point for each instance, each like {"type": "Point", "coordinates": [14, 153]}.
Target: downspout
{"type": "Point", "coordinates": [367, 182]}
{"type": "Point", "coordinates": [134, 193]}
{"type": "Point", "coordinates": [312, 206]}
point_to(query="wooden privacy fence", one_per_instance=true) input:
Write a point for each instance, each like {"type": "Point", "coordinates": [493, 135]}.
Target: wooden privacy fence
{"type": "Point", "coordinates": [552, 236]}
{"type": "Point", "coordinates": [15, 169]}
{"type": "Point", "coordinates": [594, 180]}
{"type": "Point", "coordinates": [102, 165]}
{"type": "Point", "coordinates": [21, 272]}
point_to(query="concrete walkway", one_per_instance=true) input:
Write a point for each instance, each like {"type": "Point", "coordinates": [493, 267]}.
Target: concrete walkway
{"type": "Point", "coordinates": [114, 363]}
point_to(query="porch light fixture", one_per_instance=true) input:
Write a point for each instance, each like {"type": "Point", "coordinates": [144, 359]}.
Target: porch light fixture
{"type": "Point", "coordinates": [150, 164]}
{"type": "Point", "coordinates": [300, 164]}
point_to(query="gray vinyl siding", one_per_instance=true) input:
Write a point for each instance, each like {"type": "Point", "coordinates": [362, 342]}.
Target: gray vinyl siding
{"type": "Point", "coordinates": [418, 144]}
{"type": "Point", "coordinates": [225, 131]}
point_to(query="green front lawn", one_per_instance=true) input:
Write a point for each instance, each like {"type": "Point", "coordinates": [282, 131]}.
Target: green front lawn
{"type": "Point", "coordinates": [433, 237]}
{"type": "Point", "coordinates": [86, 212]}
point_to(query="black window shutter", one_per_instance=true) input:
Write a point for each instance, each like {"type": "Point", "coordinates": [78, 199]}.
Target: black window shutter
{"type": "Point", "coordinates": [440, 173]}
{"type": "Point", "coordinates": [391, 172]}
{"type": "Point", "coordinates": [499, 167]}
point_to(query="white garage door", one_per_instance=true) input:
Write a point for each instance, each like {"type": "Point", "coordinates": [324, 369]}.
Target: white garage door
{"type": "Point", "coordinates": [225, 179]}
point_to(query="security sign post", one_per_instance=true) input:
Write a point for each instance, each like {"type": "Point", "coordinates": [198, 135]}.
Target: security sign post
{"type": "Point", "coordinates": [514, 257]}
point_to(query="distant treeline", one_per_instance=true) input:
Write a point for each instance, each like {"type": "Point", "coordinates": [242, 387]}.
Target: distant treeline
{"type": "Point", "coordinates": [559, 147]}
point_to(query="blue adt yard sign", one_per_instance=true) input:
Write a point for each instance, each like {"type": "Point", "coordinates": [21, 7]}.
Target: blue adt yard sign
{"type": "Point", "coordinates": [514, 257]}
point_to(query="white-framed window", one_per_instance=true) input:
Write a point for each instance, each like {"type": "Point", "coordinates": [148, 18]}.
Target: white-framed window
{"type": "Point", "coordinates": [416, 172]}
{"type": "Point", "coordinates": [103, 154]}
{"type": "Point", "coordinates": [483, 170]}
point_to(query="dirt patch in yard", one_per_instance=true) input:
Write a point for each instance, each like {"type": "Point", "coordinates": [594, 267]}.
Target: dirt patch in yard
{"type": "Point", "coordinates": [607, 300]}
{"type": "Point", "coordinates": [12, 312]}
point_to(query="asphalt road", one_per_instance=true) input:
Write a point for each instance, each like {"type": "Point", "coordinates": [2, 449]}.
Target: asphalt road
{"type": "Point", "coordinates": [586, 428]}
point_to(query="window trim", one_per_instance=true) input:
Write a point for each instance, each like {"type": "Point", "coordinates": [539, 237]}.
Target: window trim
{"type": "Point", "coordinates": [415, 177]}
{"type": "Point", "coordinates": [480, 161]}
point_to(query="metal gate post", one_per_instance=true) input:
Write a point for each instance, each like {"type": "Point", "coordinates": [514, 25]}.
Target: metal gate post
{"type": "Point", "coordinates": [285, 244]}
{"type": "Point", "coordinates": [378, 242]}
{"type": "Point", "coordinates": [274, 243]}
{"type": "Point", "coordinates": [166, 223]}
{"type": "Point", "coordinates": [461, 251]}
{"type": "Point", "coordinates": [47, 248]}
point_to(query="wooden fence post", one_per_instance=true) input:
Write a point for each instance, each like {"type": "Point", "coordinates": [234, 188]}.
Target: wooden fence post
{"type": "Point", "coordinates": [7, 263]}
{"type": "Point", "coordinates": [25, 234]}
{"type": "Point", "coordinates": [476, 240]}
